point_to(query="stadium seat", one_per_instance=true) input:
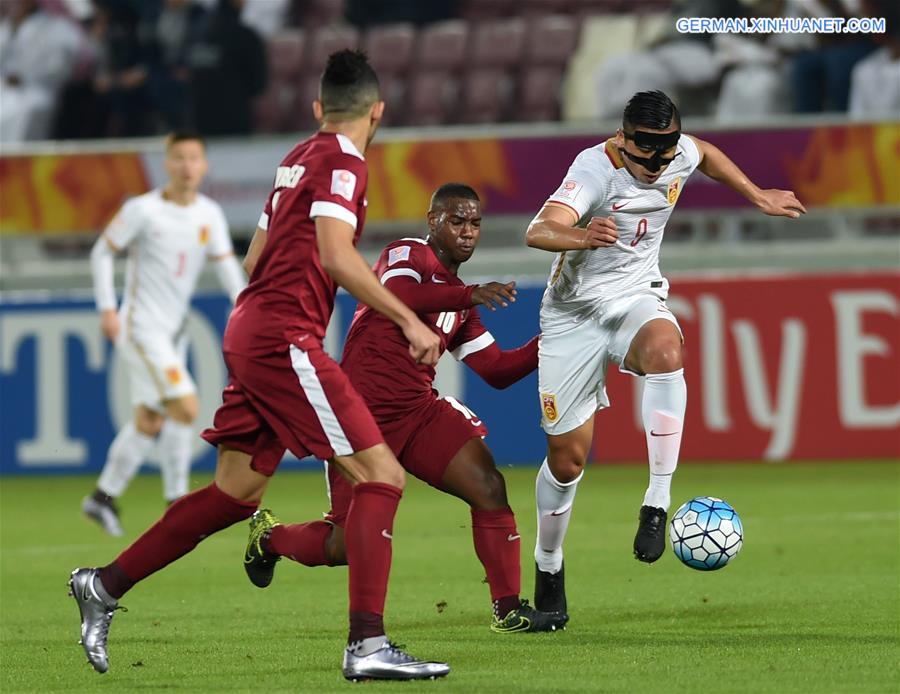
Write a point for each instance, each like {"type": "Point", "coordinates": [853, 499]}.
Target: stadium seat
{"type": "Point", "coordinates": [497, 44]}
{"type": "Point", "coordinates": [285, 51]}
{"type": "Point", "coordinates": [442, 46]}
{"type": "Point", "coordinates": [431, 95]}
{"type": "Point", "coordinates": [390, 48]}
{"type": "Point", "coordinates": [539, 89]}
{"type": "Point", "coordinates": [326, 41]}
{"type": "Point", "coordinates": [551, 40]}
{"type": "Point", "coordinates": [485, 96]}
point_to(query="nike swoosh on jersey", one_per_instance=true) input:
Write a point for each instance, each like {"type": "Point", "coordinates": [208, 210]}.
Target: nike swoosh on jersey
{"type": "Point", "coordinates": [671, 433]}
{"type": "Point", "coordinates": [475, 422]}
{"type": "Point", "coordinates": [511, 537]}
{"type": "Point", "coordinates": [619, 207]}
{"type": "Point", "coordinates": [385, 533]}
{"type": "Point", "coordinates": [438, 280]}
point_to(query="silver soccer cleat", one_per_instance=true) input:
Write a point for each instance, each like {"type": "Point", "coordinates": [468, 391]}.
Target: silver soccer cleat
{"type": "Point", "coordinates": [105, 514]}
{"type": "Point", "coordinates": [96, 616]}
{"type": "Point", "coordinates": [390, 663]}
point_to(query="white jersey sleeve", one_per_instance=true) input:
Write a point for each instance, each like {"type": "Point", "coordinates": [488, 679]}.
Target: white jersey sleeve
{"type": "Point", "coordinates": [584, 186]}
{"type": "Point", "coordinates": [691, 151]}
{"type": "Point", "coordinates": [219, 238]}
{"type": "Point", "coordinates": [126, 225]}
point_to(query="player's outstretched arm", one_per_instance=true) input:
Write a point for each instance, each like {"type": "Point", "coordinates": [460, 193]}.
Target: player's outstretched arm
{"type": "Point", "coordinates": [501, 368]}
{"type": "Point", "coordinates": [231, 275]}
{"type": "Point", "coordinates": [102, 271]}
{"type": "Point", "coordinates": [431, 297]}
{"type": "Point", "coordinates": [553, 229]}
{"type": "Point", "coordinates": [715, 164]}
{"type": "Point", "coordinates": [344, 264]}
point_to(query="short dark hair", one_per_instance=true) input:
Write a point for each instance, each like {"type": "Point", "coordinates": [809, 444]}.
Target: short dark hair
{"type": "Point", "coordinates": [348, 86]}
{"type": "Point", "coordinates": [449, 191]}
{"type": "Point", "coordinates": [185, 135]}
{"type": "Point", "coordinates": [652, 110]}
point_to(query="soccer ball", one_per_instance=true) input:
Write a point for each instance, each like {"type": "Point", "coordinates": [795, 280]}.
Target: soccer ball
{"type": "Point", "coordinates": [706, 533]}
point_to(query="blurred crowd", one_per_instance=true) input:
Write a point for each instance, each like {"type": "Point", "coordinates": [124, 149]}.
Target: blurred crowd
{"type": "Point", "coordinates": [123, 68]}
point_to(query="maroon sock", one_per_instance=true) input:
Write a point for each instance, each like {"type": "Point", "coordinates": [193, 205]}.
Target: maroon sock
{"type": "Point", "coordinates": [302, 542]}
{"type": "Point", "coordinates": [497, 547]}
{"type": "Point", "coordinates": [367, 535]}
{"type": "Point", "coordinates": [182, 526]}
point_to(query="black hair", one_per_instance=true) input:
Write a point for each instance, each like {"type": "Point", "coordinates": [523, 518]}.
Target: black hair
{"type": "Point", "coordinates": [449, 191]}
{"type": "Point", "coordinates": [185, 135]}
{"type": "Point", "coordinates": [652, 110]}
{"type": "Point", "coordinates": [348, 86]}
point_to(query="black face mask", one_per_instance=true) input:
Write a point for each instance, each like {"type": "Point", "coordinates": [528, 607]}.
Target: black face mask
{"type": "Point", "coordinates": [660, 142]}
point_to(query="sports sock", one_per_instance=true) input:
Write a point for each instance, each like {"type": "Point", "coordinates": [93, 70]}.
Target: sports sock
{"type": "Point", "coordinates": [497, 546]}
{"type": "Point", "coordinates": [302, 542]}
{"type": "Point", "coordinates": [184, 524]}
{"type": "Point", "coordinates": [126, 453]}
{"type": "Point", "coordinates": [176, 441]}
{"type": "Point", "coordinates": [662, 410]}
{"type": "Point", "coordinates": [554, 501]}
{"type": "Point", "coordinates": [367, 534]}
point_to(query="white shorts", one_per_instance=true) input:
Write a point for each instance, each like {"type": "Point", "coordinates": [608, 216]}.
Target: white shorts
{"type": "Point", "coordinates": [574, 354]}
{"type": "Point", "coordinates": [157, 369]}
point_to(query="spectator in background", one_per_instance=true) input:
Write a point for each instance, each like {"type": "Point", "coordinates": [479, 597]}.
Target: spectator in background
{"type": "Point", "coordinates": [875, 81]}
{"type": "Point", "coordinates": [821, 77]}
{"type": "Point", "coordinates": [365, 13]}
{"type": "Point", "coordinates": [121, 80]}
{"type": "Point", "coordinates": [171, 35]}
{"type": "Point", "coordinates": [37, 51]}
{"type": "Point", "coordinates": [228, 68]}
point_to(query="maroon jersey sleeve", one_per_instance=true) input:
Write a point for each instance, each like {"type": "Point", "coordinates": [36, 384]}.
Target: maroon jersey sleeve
{"type": "Point", "coordinates": [336, 188]}
{"type": "Point", "coordinates": [501, 368]}
{"type": "Point", "coordinates": [471, 337]}
{"type": "Point", "coordinates": [408, 269]}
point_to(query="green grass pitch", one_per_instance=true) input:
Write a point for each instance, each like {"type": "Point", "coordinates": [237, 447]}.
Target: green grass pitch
{"type": "Point", "coordinates": [812, 603]}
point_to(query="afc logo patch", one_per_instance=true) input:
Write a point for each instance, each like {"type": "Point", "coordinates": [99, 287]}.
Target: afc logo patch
{"type": "Point", "coordinates": [674, 190]}
{"type": "Point", "coordinates": [395, 255]}
{"type": "Point", "coordinates": [173, 375]}
{"type": "Point", "coordinates": [548, 406]}
{"type": "Point", "coordinates": [204, 235]}
{"type": "Point", "coordinates": [343, 183]}
{"type": "Point", "coordinates": [569, 190]}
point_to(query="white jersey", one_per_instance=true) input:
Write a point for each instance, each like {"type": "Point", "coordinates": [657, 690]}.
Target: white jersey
{"type": "Point", "coordinates": [598, 185]}
{"type": "Point", "coordinates": [168, 245]}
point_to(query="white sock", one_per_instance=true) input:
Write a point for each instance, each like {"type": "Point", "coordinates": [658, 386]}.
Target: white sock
{"type": "Point", "coordinates": [554, 501]}
{"type": "Point", "coordinates": [126, 453]}
{"type": "Point", "coordinates": [176, 441]}
{"type": "Point", "coordinates": [662, 409]}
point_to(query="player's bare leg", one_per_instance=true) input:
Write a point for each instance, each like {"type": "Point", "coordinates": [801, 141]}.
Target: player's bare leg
{"type": "Point", "coordinates": [656, 352]}
{"type": "Point", "coordinates": [555, 487]}
{"type": "Point", "coordinates": [127, 452]}
{"type": "Point", "coordinates": [176, 441]}
{"type": "Point", "coordinates": [472, 476]}
{"type": "Point", "coordinates": [233, 496]}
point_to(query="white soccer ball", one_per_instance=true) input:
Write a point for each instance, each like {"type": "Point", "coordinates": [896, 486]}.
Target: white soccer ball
{"type": "Point", "coordinates": [706, 533]}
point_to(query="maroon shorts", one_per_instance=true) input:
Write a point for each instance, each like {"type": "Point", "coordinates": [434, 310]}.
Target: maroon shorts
{"type": "Point", "coordinates": [297, 399]}
{"type": "Point", "coordinates": [424, 442]}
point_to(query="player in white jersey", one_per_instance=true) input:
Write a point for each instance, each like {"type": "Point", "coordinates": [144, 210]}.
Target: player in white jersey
{"type": "Point", "coordinates": [605, 302]}
{"type": "Point", "coordinates": [169, 234]}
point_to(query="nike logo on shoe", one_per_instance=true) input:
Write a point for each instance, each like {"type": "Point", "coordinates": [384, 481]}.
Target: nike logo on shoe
{"type": "Point", "coordinates": [511, 537]}
{"type": "Point", "coordinates": [671, 433]}
{"type": "Point", "coordinates": [385, 533]}
{"type": "Point", "coordinates": [619, 207]}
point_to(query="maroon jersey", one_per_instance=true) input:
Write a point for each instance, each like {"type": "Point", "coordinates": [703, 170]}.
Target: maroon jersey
{"type": "Point", "coordinates": [290, 297]}
{"type": "Point", "coordinates": [376, 354]}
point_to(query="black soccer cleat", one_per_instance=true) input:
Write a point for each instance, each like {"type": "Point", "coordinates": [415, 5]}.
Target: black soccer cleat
{"type": "Point", "coordinates": [550, 590]}
{"type": "Point", "coordinates": [650, 541]}
{"type": "Point", "coordinates": [258, 563]}
{"type": "Point", "coordinates": [526, 618]}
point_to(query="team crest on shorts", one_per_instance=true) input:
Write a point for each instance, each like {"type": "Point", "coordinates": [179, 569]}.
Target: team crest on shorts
{"type": "Point", "coordinates": [173, 373]}
{"type": "Point", "coordinates": [548, 405]}
{"type": "Point", "coordinates": [674, 190]}
{"type": "Point", "coordinates": [204, 235]}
